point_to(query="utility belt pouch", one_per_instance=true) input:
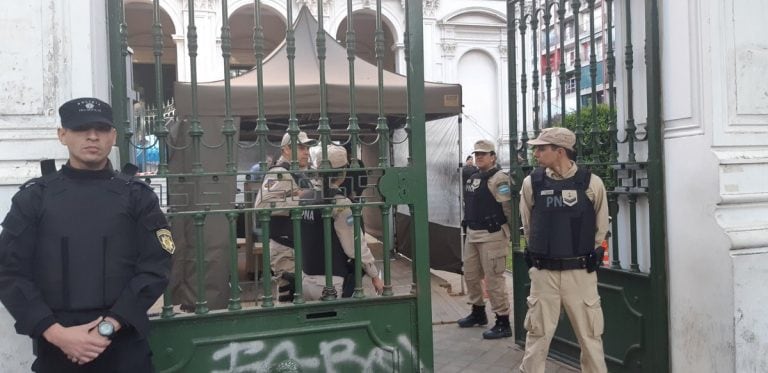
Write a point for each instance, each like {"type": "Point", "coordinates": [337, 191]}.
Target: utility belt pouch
{"type": "Point", "coordinates": [492, 224]}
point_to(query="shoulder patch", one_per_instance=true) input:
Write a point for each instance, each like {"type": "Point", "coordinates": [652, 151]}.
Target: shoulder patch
{"type": "Point", "coordinates": [166, 240]}
{"type": "Point", "coordinates": [350, 220]}
{"type": "Point", "coordinates": [503, 188]}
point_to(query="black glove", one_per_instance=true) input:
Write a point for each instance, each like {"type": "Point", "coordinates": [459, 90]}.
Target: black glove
{"type": "Point", "coordinates": [595, 259]}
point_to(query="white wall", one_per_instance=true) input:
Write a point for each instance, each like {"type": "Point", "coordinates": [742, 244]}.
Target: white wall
{"type": "Point", "coordinates": [58, 51]}
{"type": "Point", "coordinates": [52, 57]}
{"type": "Point", "coordinates": [471, 50]}
{"type": "Point", "coordinates": [716, 161]}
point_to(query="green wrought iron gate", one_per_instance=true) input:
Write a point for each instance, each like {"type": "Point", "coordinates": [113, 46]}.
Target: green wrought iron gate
{"type": "Point", "coordinates": [197, 176]}
{"type": "Point", "coordinates": [604, 105]}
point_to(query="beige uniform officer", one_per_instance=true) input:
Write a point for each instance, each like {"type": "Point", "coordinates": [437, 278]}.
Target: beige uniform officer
{"type": "Point", "coordinates": [574, 290]}
{"type": "Point", "coordinates": [486, 215]}
{"type": "Point", "coordinates": [313, 279]}
{"type": "Point", "coordinates": [281, 189]}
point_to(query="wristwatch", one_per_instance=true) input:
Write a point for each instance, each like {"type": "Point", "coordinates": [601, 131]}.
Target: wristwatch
{"type": "Point", "coordinates": [106, 329]}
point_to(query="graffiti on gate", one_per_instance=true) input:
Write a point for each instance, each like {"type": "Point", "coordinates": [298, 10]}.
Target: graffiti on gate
{"type": "Point", "coordinates": [337, 355]}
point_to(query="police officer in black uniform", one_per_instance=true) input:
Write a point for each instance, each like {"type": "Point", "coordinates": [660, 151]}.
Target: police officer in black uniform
{"type": "Point", "coordinates": [468, 169]}
{"type": "Point", "coordinates": [84, 253]}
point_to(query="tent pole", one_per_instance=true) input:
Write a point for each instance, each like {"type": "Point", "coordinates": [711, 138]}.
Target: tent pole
{"type": "Point", "coordinates": [461, 202]}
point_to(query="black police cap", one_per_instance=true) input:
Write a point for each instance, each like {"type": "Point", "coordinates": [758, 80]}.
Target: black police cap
{"type": "Point", "coordinates": [85, 110]}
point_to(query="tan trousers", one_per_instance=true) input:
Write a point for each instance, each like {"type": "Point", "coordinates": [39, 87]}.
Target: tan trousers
{"type": "Point", "coordinates": [576, 291]}
{"type": "Point", "coordinates": [312, 286]}
{"type": "Point", "coordinates": [281, 260]}
{"type": "Point", "coordinates": [489, 260]}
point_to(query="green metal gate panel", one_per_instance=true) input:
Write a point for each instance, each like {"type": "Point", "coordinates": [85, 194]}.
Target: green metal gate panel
{"type": "Point", "coordinates": [384, 333]}
{"type": "Point", "coordinates": [366, 336]}
{"type": "Point", "coordinates": [546, 89]}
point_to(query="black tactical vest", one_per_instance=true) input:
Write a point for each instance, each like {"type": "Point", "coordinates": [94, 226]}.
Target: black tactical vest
{"type": "Point", "coordinates": [481, 210]}
{"type": "Point", "coordinates": [562, 217]}
{"type": "Point", "coordinates": [87, 242]}
{"type": "Point", "coordinates": [280, 227]}
{"type": "Point", "coordinates": [312, 239]}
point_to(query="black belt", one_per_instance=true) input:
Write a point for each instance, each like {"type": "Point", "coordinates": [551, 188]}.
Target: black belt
{"type": "Point", "coordinates": [477, 226]}
{"type": "Point", "coordinates": [562, 264]}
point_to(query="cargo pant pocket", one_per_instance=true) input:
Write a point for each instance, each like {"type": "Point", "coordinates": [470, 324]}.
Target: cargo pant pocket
{"type": "Point", "coordinates": [498, 260]}
{"type": "Point", "coordinates": [595, 316]}
{"type": "Point", "coordinates": [534, 322]}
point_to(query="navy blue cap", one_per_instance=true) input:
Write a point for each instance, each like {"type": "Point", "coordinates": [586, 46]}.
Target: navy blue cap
{"type": "Point", "coordinates": [85, 110]}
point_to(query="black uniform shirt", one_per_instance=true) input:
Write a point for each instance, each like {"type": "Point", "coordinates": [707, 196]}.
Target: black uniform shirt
{"type": "Point", "coordinates": [133, 272]}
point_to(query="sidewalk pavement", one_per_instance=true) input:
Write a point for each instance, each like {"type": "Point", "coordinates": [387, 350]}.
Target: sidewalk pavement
{"type": "Point", "coordinates": [464, 349]}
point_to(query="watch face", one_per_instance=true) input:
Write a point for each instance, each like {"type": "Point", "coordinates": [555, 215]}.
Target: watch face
{"type": "Point", "coordinates": [106, 328]}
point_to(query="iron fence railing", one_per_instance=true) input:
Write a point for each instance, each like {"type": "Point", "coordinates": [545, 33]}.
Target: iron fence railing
{"type": "Point", "coordinates": [198, 189]}
{"type": "Point", "coordinates": [600, 110]}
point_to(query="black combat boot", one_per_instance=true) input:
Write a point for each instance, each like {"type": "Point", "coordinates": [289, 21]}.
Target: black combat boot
{"type": "Point", "coordinates": [477, 317]}
{"type": "Point", "coordinates": [500, 330]}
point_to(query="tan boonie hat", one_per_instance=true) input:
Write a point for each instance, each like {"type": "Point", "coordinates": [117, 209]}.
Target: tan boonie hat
{"type": "Point", "coordinates": [303, 139]}
{"type": "Point", "coordinates": [484, 146]}
{"type": "Point", "coordinates": [337, 155]}
{"type": "Point", "coordinates": [559, 136]}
